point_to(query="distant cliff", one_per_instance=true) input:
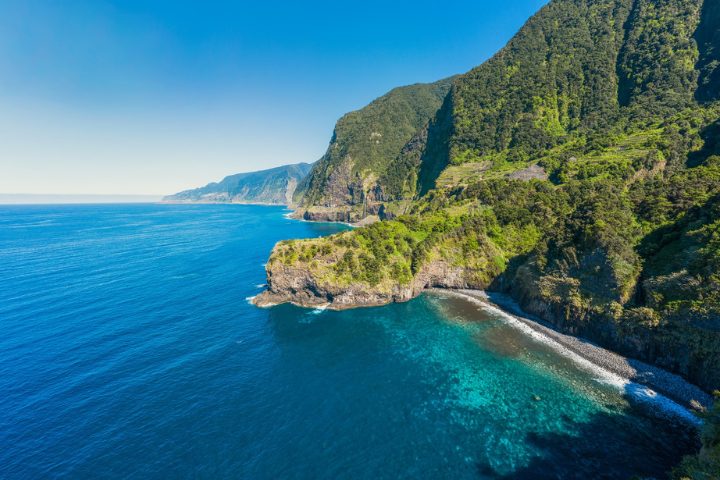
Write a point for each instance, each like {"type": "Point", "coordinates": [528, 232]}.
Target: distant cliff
{"type": "Point", "coordinates": [273, 186]}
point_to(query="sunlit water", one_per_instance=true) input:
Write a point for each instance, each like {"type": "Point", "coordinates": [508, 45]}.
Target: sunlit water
{"type": "Point", "coordinates": [129, 350]}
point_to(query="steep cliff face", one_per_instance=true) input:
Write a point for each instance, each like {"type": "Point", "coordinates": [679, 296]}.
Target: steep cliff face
{"type": "Point", "coordinates": [317, 282]}
{"type": "Point", "coordinates": [557, 76]}
{"type": "Point", "coordinates": [578, 170]}
{"type": "Point", "coordinates": [348, 180]}
{"type": "Point", "coordinates": [578, 68]}
{"type": "Point", "coordinates": [273, 186]}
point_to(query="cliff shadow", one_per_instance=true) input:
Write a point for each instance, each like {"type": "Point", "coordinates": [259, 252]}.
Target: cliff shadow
{"type": "Point", "coordinates": [436, 155]}
{"type": "Point", "coordinates": [607, 446]}
{"type": "Point", "coordinates": [711, 137]}
{"type": "Point", "coordinates": [707, 36]}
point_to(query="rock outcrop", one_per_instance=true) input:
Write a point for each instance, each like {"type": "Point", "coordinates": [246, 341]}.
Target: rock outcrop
{"type": "Point", "coordinates": [287, 284]}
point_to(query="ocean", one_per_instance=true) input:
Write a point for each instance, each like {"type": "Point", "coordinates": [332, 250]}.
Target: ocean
{"type": "Point", "coordinates": [129, 349]}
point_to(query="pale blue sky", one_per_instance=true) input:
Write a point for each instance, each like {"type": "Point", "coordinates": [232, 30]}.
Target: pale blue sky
{"type": "Point", "coordinates": [156, 96]}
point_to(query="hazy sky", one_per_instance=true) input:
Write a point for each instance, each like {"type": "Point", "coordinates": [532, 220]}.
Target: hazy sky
{"type": "Point", "coordinates": [156, 96]}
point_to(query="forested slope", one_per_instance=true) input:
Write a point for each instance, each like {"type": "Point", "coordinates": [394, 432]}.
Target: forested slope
{"type": "Point", "coordinates": [346, 183]}
{"type": "Point", "coordinates": [577, 170]}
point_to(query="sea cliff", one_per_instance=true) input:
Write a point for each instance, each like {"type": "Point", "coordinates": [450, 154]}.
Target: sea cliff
{"type": "Point", "coordinates": [288, 284]}
{"type": "Point", "coordinates": [577, 170]}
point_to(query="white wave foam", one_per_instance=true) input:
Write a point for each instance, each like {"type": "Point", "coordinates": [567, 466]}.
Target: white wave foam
{"type": "Point", "coordinates": [320, 309]}
{"type": "Point", "coordinates": [261, 285]}
{"type": "Point", "coordinates": [267, 305]}
{"type": "Point", "coordinates": [288, 216]}
{"type": "Point", "coordinates": [638, 392]}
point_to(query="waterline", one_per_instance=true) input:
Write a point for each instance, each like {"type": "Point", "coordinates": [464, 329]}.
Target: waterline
{"type": "Point", "coordinates": [636, 391]}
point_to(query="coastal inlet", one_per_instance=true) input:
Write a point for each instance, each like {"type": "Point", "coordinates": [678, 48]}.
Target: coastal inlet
{"type": "Point", "coordinates": [131, 351]}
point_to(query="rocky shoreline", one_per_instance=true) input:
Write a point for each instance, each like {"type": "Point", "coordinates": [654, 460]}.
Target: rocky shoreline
{"type": "Point", "coordinates": [640, 379]}
{"type": "Point", "coordinates": [298, 286]}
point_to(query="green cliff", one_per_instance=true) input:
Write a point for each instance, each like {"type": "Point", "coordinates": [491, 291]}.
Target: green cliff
{"type": "Point", "coordinates": [348, 182]}
{"type": "Point", "coordinates": [577, 170]}
{"type": "Point", "coordinates": [273, 186]}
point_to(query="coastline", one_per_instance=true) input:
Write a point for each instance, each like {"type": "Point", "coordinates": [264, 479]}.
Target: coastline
{"type": "Point", "coordinates": [662, 392]}
{"type": "Point", "coordinates": [643, 382]}
{"type": "Point", "coordinates": [369, 220]}
{"type": "Point", "coordinates": [291, 216]}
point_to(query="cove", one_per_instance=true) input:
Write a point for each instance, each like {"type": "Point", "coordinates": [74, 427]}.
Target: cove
{"type": "Point", "coordinates": [130, 350]}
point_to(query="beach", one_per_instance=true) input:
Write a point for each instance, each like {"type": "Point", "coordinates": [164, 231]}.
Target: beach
{"type": "Point", "coordinates": [669, 393]}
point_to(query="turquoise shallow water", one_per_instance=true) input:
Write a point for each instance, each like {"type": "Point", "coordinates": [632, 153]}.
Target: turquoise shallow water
{"type": "Point", "coordinates": [129, 350]}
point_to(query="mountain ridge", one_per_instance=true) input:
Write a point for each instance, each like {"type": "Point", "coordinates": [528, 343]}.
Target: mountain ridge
{"type": "Point", "coordinates": [347, 183]}
{"type": "Point", "coordinates": [274, 186]}
{"type": "Point", "coordinates": [578, 171]}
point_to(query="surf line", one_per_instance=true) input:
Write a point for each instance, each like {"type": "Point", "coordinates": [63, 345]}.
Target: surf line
{"type": "Point", "coordinates": [637, 391]}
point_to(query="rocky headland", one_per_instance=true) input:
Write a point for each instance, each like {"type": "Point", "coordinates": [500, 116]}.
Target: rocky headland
{"type": "Point", "coordinates": [576, 171]}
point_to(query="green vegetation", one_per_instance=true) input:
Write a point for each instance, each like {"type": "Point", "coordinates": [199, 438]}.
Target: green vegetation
{"type": "Point", "coordinates": [577, 170]}
{"type": "Point", "coordinates": [657, 64]}
{"type": "Point", "coordinates": [379, 256]}
{"type": "Point", "coordinates": [366, 141]}
{"type": "Point", "coordinates": [555, 79]}
{"type": "Point", "coordinates": [576, 70]}
{"type": "Point", "coordinates": [705, 465]}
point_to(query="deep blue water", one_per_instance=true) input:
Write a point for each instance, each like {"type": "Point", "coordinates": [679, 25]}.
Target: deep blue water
{"type": "Point", "coordinates": [129, 350]}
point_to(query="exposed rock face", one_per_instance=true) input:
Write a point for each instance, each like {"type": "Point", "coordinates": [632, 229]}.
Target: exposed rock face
{"type": "Point", "coordinates": [533, 172]}
{"type": "Point", "coordinates": [289, 284]}
{"type": "Point", "coordinates": [290, 188]}
{"type": "Point", "coordinates": [349, 197]}
{"type": "Point", "coordinates": [345, 214]}
{"type": "Point", "coordinates": [343, 187]}
{"type": "Point", "coordinates": [327, 214]}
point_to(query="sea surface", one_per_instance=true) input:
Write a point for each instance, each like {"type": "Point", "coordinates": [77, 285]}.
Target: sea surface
{"type": "Point", "coordinates": [129, 350]}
